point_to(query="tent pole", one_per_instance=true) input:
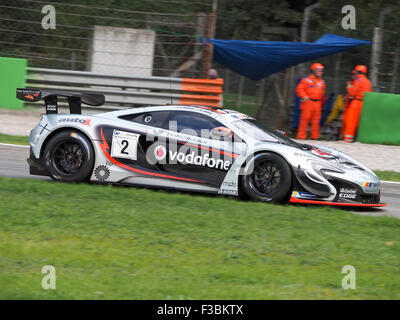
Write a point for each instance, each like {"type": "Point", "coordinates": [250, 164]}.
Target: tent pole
{"type": "Point", "coordinates": [337, 71]}
{"type": "Point", "coordinates": [304, 28]}
{"type": "Point", "coordinates": [209, 50]}
{"type": "Point", "coordinates": [394, 71]}
{"type": "Point", "coordinates": [375, 57]}
{"type": "Point", "coordinates": [240, 91]}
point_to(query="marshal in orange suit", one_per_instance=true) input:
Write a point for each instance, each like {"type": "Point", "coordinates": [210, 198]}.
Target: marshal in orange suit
{"type": "Point", "coordinates": [311, 90]}
{"type": "Point", "coordinates": [355, 95]}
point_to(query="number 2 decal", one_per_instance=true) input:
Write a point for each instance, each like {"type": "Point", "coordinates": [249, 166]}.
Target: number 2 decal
{"type": "Point", "coordinates": [125, 143]}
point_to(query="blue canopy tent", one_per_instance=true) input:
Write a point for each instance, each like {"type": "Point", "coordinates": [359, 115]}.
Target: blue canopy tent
{"type": "Point", "coordinates": [259, 59]}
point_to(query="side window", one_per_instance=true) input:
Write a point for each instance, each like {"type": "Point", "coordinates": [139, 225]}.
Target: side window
{"type": "Point", "coordinates": [154, 119]}
{"type": "Point", "coordinates": [192, 123]}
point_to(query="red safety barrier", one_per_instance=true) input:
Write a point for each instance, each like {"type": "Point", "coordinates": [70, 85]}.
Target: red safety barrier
{"type": "Point", "coordinates": [210, 91]}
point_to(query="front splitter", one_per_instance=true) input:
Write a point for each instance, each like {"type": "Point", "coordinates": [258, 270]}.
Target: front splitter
{"type": "Point", "coordinates": [327, 203]}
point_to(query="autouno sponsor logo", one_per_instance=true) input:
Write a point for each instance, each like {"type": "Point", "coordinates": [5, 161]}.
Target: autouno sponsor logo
{"type": "Point", "coordinates": [200, 160]}
{"type": "Point", "coordinates": [85, 122]}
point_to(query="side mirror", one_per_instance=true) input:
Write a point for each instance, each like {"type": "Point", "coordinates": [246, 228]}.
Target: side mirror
{"type": "Point", "coordinates": [222, 132]}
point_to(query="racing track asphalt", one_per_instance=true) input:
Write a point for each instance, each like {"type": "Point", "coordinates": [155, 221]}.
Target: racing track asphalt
{"type": "Point", "coordinates": [13, 164]}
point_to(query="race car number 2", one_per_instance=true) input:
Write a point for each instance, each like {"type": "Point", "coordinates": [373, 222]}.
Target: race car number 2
{"type": "Point", "coordinates": [124, 145]}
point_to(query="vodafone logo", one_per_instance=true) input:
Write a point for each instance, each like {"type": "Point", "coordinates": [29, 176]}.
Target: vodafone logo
{"type": "Point", "coordinates": [200, 160]}
{"type": "Point", "coordinates": [160, 152]}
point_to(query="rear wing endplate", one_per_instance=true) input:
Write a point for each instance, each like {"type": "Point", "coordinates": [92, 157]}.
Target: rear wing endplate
{"type": "Point", "coordinates": [75, 100]}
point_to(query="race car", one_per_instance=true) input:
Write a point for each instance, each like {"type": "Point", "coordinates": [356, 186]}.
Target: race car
{"type": "Point", "coordinates": [193, 148]}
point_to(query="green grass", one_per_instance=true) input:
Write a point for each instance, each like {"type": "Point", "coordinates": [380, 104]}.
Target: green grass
{"type": "Point", "coordinates": [247, 105]}
{"type": "Point", "coordinates": [388, 175]}
{"type": "Point", "coordinates": [127, 243]}
{"type": "Point", "coordinates": [5, 138]}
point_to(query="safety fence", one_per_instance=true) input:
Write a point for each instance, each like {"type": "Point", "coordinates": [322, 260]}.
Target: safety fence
{"type": "Point", "coordinates": [385, 61]}
{"type": "Point", "coordinates": [146, 38]}
{"type": "Point", "coordinates": [124, 91]}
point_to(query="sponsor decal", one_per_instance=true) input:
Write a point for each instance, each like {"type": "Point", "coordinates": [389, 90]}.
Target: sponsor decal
{"type": "Point", "coordinates": [369, 185]}
{"type": "Point", "coordinates": [160, 152]}
{"type": "Point", "coordinates": [85, 122]}
{"type": "Point", "coordinates": [109, 163]}
{"type": "Point", "coordinates": [200, 160]}
{"type": "Point", "coordinates": [102, 173]}
{"type": "Point", "coordinates": [228, 192]}
{"type": "Point", "coordinates": [51, 107]}
{"type": "Point", "coordinates": [240, 116]}
{"type": "Point", "coordinates": [234, 116]}
{"type": "Point", "coordinates": [106, 148]}
{"type": "Point", "coordinates": [29, 94]}
{"type": "Point", "coordinates": [303, 195]}
{"type": "Point", "coordinates": [203, 109]}
{"type": "Point", "coordinates": [347, 193]}
{"type": "Point", "coordinates": [124, 145]}
{"type": "Point", "coordinates": [231, 184]}
{"type": "Point", "coordinates": [233, 155]}
{"type": "Point", "coordinates": [305, 155]}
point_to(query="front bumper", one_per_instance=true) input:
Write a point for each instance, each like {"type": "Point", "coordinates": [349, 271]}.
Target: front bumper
{"type": "Point", "coordinates": [334, 191]}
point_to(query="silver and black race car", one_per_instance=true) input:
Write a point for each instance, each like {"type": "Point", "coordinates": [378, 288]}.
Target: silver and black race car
{"type": "Point", "coordinates": [193, 148]}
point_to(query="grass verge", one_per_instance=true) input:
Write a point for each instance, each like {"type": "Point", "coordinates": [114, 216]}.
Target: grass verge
{"type": "Point", "coordinates": [388, 175]}
{"type": "Point", "coordinates": [22, 140]}
{"type": "Point", "coordinates": [126, 243]}
{"type": "Point", "coordinates": [247, 105]}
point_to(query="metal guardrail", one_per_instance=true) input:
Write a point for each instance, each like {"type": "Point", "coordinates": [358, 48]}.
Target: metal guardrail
{"type": "Point", "coordinates": [124, 91]}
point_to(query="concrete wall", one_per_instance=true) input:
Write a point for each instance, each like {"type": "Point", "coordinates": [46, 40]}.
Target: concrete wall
{"type": "Point", "coordinates": [122, 51]}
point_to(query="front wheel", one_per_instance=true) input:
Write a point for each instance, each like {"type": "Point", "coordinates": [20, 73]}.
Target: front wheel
{"type": "Point", "coordinates": [69, 156]}
{"type": "Point", "coordinates": [268, 177]}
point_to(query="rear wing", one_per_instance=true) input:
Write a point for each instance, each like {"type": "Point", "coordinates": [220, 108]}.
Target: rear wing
{"type": "Point", "coordinates": [51, 98]}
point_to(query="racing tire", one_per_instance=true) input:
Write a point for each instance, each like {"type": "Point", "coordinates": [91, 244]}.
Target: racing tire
{"type": "Point", "coordinates": [69, 156]}
{"type": "Point", "coordinates": [267, 177]}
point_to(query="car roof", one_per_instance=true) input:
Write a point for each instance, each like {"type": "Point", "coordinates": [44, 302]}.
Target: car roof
{"type": "Point", "coordinates": [214, 111]}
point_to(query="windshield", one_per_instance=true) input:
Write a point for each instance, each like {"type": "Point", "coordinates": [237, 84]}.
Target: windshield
{"type": "Point", "coordinates": [257, 130]}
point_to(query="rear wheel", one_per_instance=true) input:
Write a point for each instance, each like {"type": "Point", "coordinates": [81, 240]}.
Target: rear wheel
{"type": "Point", "coordinates": [69, 156]}
{"type": "Point", "coordinates": [267, 178]}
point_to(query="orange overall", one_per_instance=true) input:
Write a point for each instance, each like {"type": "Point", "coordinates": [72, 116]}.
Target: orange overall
{"type": "Point", "coordinates": [311, 90]}
{"type": "Point", "coordinates": [351, 116]}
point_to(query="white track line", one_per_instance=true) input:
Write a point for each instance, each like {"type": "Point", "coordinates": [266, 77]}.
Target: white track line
{"type": "Point", "coordinates": [390, 182]}
{"type": "Point", "coordinates": [13, 145]}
